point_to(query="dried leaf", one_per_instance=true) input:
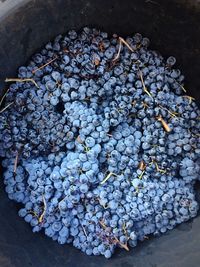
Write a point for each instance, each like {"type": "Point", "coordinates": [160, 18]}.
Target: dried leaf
{"type": "Point", "coordinates": [101, 47]}
{"type": "Point", "coordinates": [142, 166]}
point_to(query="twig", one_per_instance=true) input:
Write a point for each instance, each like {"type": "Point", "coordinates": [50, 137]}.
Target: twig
{"type": "Point", "coordinates": [124, 42]}
{"type": "Point", "coordinates": [125, 232]}
{"type": "Point", "coordinates": [171, 113]}
{"type": "Point", "coordinates": [63, 199]}
{"type": "Point", "coordinates": [16, 161]}
{"type": "Point", "coordinates": [121, 40]}
{"type": "Point", "coordinates": [84, 230]}
{"type": "Point", "coordinates": [141, 175]}
{"type": "Point", "coordinates": [137, 189]}
{"type": "Point", "coordinates": [10, 104]}
{"type": "Point", "coordinates": [190, 98]}
{"type": "Point", "coordinates": [1, 101]}
{"type": "Point", "coordinates": [121, 244]}
{"type": "Point", "coordinates": [44, 210]}
{"type": "Point", "coordinates": [158, 169]}
{"type": "Point", "coordinates": [144, 86]}
{"type": "Point", "coordinates": [86, 148]}
{"type": "Point", "coordinates": [49, 62]}
{"type": "Point", "coordinates": [33, 212]}
{"type": "Point", "coordinates": [115, 238]}
{"type": "Point", "coordinates": [78, 139]}
{"type": "Point", "coordinates": [119, 50]}
{"type": "Point", "coordinates": [102, 224]}
{"type": "Point", "coordinates": [21, 80]}
{"type": "Point", "coordinates": [184, 90]}
{"type": "Point", "coordinates": [164, 124]}
{"type": "Point", "coordinates": [145, 105]}
{"type": "Point", "coordinates": [107, 177]}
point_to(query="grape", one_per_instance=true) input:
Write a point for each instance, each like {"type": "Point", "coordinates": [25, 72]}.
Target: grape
{"type": "Point", "coordinates": [103, 148]}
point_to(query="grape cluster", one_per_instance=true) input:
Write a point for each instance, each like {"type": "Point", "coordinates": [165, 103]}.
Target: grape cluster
{"type": "Point", "coordinates": [100, 142]}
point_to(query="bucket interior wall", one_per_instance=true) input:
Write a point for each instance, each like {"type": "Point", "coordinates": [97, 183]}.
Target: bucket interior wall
{"type": "Point", "coordinates": [173, 28]}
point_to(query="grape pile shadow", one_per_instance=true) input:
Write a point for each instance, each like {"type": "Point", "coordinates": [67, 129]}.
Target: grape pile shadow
{"type": "Point", "coordinates": [100, 142]}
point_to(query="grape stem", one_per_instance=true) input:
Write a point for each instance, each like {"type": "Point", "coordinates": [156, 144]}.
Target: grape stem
{"type": "Point", "coordinates": [34, 213]}
{"type": "Point", "coordinates": [21, 80]}
{"type": "Point", "coordinates": [43, 66]}
{"type": "Point", "coordinates": [84, 230]}
{"type": "Point", "coordinates": [141, 175]}
{"type": "Point", "coordinates": [1, 101]}
{"type": "Point", "coordinates": [122, 41]}
{"type": "Point", "coordinates": [164, 124]}
{"type": "Point", "coordinates": [190, 98]}
{"type": "Point", "coordinates": [182, 87]}
{"type": "Point", "coordinates": [157, 167]}
{"type": "Point", "coordinates": [107, 177]}
{"type": "Point", "coordinates": [10, 104]}
{"type": "Point", "coordinates": [115, 238]}
{"type": "Point", "coordinates": [44, 210]}
{"type": "Point", "coordinates": [171, 113]}
{"type": "Point", "coordinates": [143, 84]}
{"type": "Point", "coordinates": [16, 161]}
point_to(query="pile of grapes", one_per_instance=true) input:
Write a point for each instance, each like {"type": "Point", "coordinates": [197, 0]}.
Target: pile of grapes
{"type": "Point", "coordinates": [100, 142]}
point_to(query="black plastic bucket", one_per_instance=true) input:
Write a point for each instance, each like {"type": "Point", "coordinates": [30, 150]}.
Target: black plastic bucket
{"type": "Point", "coordinates": [174, 29]}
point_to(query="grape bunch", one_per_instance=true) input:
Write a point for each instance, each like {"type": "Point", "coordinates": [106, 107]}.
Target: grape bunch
{"type": "Point", "coordinates": [100, 142]}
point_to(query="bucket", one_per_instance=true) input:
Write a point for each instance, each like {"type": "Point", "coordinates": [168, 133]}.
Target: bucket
{"type": "Point", "coordinates": [174, 29]}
